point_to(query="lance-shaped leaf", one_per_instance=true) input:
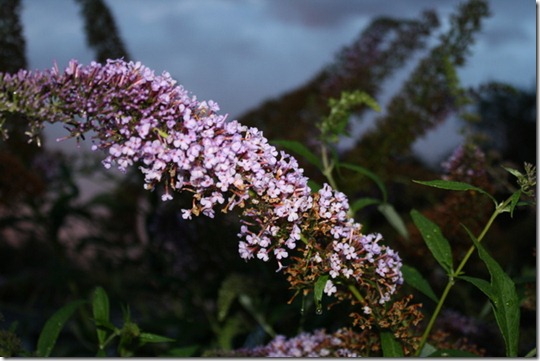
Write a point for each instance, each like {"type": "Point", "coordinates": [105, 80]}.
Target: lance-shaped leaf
{"type": "Point", "coordinates": [514, 172]}
{"type": "Point", "coordinates": [231, 287]}
{"type": "Point", "coordinates": [318, 289]}
{"type": "Point", "coordinates": [390, 346]}
{"type": "Point", "coordinates": [415, 279]}
{"type": "Point", "coordinates": [455, 186]}
{"type": "Point", "coordinates": [363, 202]}
{"type": "Point", "coordinates": [514, 202]}
{"type": "Point", "coordinates": [435, 241]}
{"type": "Point", "coordinates": [481, 284]}
{"type": "Point", "coordinates": [369, 174]}
{"type": "Point", "coordinates": [503, 296]}
{"type": "Point", "coordinates": [100, 310]}
{"type": "Point", "coordinates": [146, 337]}
{"type": "Point", "coordinates": [53, 326]}
{"type": "Point", "coordinates": [395, 220]}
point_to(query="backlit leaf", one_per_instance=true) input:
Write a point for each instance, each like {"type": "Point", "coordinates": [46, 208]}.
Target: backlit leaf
{"type": "Point", "coordinates": [455, 186]}
{"type": "Point", "coordinates": [100, 310]}
{"type": "Point", "coordinates": [394, 219]}
{"type": "Point", "coordinates": [319, 288]}
{"type": "Point", "coordinates": [146, 337]}
{"type": "Point", "coordinates": [53, 326]}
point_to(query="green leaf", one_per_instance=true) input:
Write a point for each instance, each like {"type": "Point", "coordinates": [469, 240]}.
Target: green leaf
{"type": "Point", "coordinates": [427, 350]}
{"type": "Point", "coordinates": [435, 241]}
{"type": "Point", "coordinates": [394, 219]}
{"type": "Point", "coordinates": [531, 353]}
{"type": "Point", "coordinates": [514, 202]}
{"type": "Point", "coordinates": [231, 287]}
{"type": "Point", "coordinates": [246, 301]}
{"type": "Point", "coordinates": [225, 300]}
{"type": "Point", "coordinates": [504, 299]}
{"type": "Point", "coordinates": [100, 310]}
{"type": "Point", "coordinates": [300, 149]}
{"type": "Point", "coordinates": [481, 284]}
{"type": "Point", "coordinates": [363, 202]}
{"type": "Point", "coordinates": [390, 346]}
{"type": "Point", "coordinates": [318, 289]}
{"type": "Point", "coordinates": [455, 186]}
{"type": "Point", "coordinates": [161, 133]}
{"type": "Point", "coordinates": [415, 279]}
{"type": "Point", "coordinates": [53, 326]}
{"type": "Point", "coordinates": [145, 337]}
{"type": "Point", "coordinates": [232, 327]}
{"type": "Point", "coordinates": [514, 172]}
{"type": "Point", "coordinates": [106, 325]}
{"type": "Point", "coordinates": [369, 174]}
{"type": "Point", "coordinates": [314, 186]}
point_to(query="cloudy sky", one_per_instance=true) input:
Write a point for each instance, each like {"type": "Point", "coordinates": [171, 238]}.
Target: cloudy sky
{"type": "Point", "coordinates": [241, 52]}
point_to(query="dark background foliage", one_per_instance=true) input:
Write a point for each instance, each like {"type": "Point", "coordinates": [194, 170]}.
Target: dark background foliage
{"type": "Point", "coordinates": [56, 247]}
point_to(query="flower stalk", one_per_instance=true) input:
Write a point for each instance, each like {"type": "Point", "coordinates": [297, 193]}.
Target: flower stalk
{"type": "Point", "coordinates": [501, 208]}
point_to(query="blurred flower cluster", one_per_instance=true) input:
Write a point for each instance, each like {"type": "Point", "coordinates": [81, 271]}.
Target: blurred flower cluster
{"type": "Point", "coordinates": [342, 343]}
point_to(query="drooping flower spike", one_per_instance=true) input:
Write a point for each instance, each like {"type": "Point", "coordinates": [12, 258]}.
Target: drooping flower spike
{"type": "Point", "coordinates": [182, 144]}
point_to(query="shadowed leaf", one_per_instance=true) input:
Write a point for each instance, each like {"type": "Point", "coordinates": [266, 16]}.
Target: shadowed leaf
{"type": "Point", "coordinates": [415, 279]}
{"type": "Point", "coordinates": [390, 346]}
{"type": "Point", "coordinates": [503, 296]}
{"type": "Point", "coordinates": [53, 326]}
{"type": "Point", "coordinates": [437, 244]}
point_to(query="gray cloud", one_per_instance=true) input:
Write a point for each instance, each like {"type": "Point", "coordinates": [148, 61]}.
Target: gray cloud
{"type": "Point", "coordinates": [326, 13]}
{"type": "Point", "coordinates": [241, 52]}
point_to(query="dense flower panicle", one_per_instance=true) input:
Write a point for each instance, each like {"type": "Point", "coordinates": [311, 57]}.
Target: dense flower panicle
{"type": "Point", "coordinates": [183, 144]}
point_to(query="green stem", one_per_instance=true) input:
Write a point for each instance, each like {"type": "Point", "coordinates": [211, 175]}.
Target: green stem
{"type": "Point", "coordinates": [498, 210]}
{"type": "Point", "coordinates": [109, 339]}
{"type": "Point", "coordinates": [328, 166]}
{"type": "Point", "coordinates": [356, 293]}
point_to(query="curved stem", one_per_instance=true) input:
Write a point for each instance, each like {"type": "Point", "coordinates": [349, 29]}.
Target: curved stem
{"type": "Point", "coordinates": [457, 272]}
{"type": "Point", "coordinates": [328, 166]}
{"type": "Point", "coordinates": [356, 293]}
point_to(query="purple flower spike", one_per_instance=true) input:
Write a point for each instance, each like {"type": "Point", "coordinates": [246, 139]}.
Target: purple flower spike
{"type": "Point", "coordinates": [142, 118]}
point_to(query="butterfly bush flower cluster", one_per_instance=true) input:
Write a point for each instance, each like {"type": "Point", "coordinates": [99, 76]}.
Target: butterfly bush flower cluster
{"type": "Point", "coordinates": [182, 144]}
{"type": "Point", "coordinates": [335, 246]}
{"type": "Point", "coordinates": [466, 164]}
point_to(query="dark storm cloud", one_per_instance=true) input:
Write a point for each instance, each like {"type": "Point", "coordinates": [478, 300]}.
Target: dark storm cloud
{"type": "Point", "coordinates": [242, 52]}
